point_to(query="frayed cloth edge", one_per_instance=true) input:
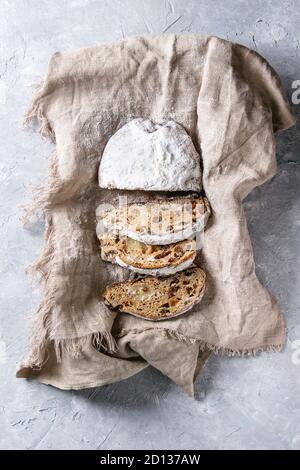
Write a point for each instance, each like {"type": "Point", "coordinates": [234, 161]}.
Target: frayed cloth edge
{"type": "Point", "coordinates": [74, 347]}
{"type": "Point", "coordinates": [44, 195]}
{"type": "Point", "coordinates": [42, 334]}
{"type": "Point", "coordinates": [36, 110]}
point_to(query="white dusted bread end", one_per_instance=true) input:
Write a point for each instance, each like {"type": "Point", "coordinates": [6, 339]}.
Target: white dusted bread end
{"type": "Point", "coordinates": [152, 157]}
{"type": "Point", "coordinates": [155, 298]}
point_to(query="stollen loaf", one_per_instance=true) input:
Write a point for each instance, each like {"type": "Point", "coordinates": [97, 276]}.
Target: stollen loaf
{"type": "Point", "coordinates": [152, 157]}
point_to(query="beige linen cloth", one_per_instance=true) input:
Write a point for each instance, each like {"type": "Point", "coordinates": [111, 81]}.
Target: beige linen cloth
{"type": "Point", "coordinates": [231, 102]}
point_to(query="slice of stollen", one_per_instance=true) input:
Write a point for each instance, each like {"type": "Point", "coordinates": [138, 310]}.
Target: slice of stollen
{"type": "Point", "coordinates": [159, 222]}
{"type": "Point", "coordinates": [156, 299]}
{"type": "Point", "coordinates": [153, 260]}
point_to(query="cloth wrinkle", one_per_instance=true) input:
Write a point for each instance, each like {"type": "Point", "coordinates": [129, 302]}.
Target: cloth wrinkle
{"type": "Point", "coordinates": [231, 102]}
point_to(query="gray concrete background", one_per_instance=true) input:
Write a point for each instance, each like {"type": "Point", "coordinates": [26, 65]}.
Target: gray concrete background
{"type": "Point", "coordinates": [249, 403]}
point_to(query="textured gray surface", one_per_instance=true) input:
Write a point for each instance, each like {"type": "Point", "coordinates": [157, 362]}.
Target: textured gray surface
{"type": "Point", "coordinates": [241, 403]}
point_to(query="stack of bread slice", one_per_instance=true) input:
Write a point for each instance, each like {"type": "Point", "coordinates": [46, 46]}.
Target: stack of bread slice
{"type": "Point", "coordinates": [157, 238]}
{"type": "Point", "coordinates": [158, 241]}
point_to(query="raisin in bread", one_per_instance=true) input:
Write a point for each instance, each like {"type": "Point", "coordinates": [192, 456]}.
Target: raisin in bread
{"type": "Point", "coordinates": [153, 260]}
{"type": "Point", "coordinates": [159, 222]}
{"type": "Point", "coordinates": [156, 299]}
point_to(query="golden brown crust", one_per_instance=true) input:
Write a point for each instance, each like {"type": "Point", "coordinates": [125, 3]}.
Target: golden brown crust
{"type": "Point", "coordinates": [154, 298]}
{"type": "Point", "coordinates": [142, 256]}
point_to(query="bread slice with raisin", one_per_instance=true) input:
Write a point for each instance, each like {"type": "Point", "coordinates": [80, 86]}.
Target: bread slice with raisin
{"type": "Point", "coordinates": [159, 222]}
{"type": "Point", "coordinates": [153, 260]}
{"type": "Point", "coordinates": [156, 299]}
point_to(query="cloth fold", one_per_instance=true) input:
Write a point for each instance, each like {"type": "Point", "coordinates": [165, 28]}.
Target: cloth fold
{"type": "Point", "coordinates": [231, 102]}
